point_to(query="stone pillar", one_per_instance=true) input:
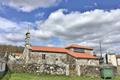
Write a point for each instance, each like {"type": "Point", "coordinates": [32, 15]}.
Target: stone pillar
{"type": "Point", "coordinates": [67, 70]}
{"type": "Point", "coordinates": [78, 70]}
{"type": "Point", "coordinates": [26, 55]}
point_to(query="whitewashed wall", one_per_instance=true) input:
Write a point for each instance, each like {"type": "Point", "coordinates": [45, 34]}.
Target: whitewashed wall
{"type": "Point", "coordinates": [118, 61]}
{"type": "Point", "coordinates": [111, 59]}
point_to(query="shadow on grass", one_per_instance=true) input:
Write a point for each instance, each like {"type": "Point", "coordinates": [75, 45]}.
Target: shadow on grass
{"type": "Point", "coordinates": [6, 76]}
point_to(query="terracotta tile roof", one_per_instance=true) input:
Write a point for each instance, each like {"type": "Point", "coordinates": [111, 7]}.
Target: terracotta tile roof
{"type": "Point", "coordinates": [63, 50]}
{"type": "Point", "coordinates": [78, 46]}
{"type": "Point", "coordinates": [48, 49]}
{"type": "Point", "coordinates": [83, 55]}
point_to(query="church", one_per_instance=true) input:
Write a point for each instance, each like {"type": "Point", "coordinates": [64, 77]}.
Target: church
{"type": "Point", "coordinates": [73, 54]}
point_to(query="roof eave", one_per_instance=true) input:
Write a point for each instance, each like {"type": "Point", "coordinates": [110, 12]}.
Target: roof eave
{"type": "Point", "coordinates": [87, 58]}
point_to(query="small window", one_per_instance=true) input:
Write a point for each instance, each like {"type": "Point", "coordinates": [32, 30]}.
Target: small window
{"type": "Point", "coordinates": [56, 59]}
{"type": "Point", "coordinates": [43, 56]}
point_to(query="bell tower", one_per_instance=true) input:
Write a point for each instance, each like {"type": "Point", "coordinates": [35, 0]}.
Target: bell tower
{"type": "Point", "coordinates": [26, 52]}
{"type": "Point", "coordinates": [27, 39]}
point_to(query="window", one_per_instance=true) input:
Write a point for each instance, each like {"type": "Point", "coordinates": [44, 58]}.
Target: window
{"type": "Point", "coordinates": [79, 50]}
{"type": "Point", "coordinates": [56, 59]}
{"type": "Point", "coordinates": [43, 56]}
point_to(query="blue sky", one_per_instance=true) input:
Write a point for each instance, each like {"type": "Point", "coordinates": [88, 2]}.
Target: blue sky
{"type": "Point", "coordinates": [71, 5]}
{"type": "Point", "coordinates": [61, 22]}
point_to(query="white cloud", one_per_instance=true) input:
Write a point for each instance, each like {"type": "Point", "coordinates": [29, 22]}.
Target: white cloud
{"type": "Point", "coordinates": [29, 5]}
{"type": "Point", "coordinates": [90, 26]}
{"type": "Point", "coordinates": [12, 32]}
{"type": "Point", "coordinates": [7, 26]}
{"type": "Point", "coordinates": [76, 27]}
{"type": "Point", "coordinates": [98, 22]}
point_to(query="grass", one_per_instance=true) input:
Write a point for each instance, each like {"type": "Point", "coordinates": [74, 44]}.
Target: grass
{"type": "Point", "coordinates": [26, 76]}
{"type": "Point", "coordinates": [7, 76]}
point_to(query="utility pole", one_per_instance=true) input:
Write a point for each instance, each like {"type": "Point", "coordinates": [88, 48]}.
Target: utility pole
{"type": "Point", "coordinates": [100, 44]}
{"type": "Point", "coordinates": [101, 56]}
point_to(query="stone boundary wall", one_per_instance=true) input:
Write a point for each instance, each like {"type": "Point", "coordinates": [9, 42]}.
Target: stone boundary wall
{"type": "Point", "coordinates": [118, 70]}
{"type": "Point", "coordinates": [35, 68]}
{"type": "Point", "coordinates": [40, 68]}
{"type": "Point", "coordinates": [93, 70]}
{"type": "Point", "coordinates": [115, 71]}
{"type": "Point", "coordinates": [89, 70]}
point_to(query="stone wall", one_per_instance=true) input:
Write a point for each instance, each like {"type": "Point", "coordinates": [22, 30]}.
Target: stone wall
{"type": "Point", "coordinates": [90, 70]}
{"type": "Point", "coordinates": [50, 58]}
{"type": "Point", "coordinates": [118, 70]}
{"type": "Point", "coordinates": [40, 68]}
{"type": "Point", "coordinates": [92, 62]}
{"type": "Point", "coordinates": [115, 71]}
{"type": "Point", "coordinates": [94, 70]}
{"type": "Point", "coordinates": [53, 69]}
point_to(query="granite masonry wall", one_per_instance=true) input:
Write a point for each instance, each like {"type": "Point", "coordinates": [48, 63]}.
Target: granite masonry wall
{"type": "Point", "coordinates": [54, 69]}
{"type": "Point", "coordinates": [49, 58]}
{"type": "Point", "coordinates": [40, 68]}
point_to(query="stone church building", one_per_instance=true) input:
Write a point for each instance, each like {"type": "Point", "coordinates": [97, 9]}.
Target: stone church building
{"type": "Point", "coordinates": [73, 55]}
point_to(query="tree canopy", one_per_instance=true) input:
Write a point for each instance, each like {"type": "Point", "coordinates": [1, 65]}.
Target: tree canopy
{"type": "Point", "coordinates": [10, 49]}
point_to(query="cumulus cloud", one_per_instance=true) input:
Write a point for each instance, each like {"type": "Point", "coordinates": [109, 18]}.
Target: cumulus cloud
{"type": "Point", "coordinates": [12, 32]}
{"type": "Point", "coordinates": [4, 26]}
{"type": "Point", "coordinates": [86, 28]}
{"type": "Point", "coordinates": [28, 5]}
{"type": "Point", "coordinates": [90, 27]}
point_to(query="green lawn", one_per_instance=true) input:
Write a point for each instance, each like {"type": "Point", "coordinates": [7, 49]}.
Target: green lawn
{"type": "Point", "coordinates": [26, 76]}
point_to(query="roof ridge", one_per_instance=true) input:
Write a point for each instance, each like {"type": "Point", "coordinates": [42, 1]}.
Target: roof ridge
{"type": "Point", "coordinates": [78, 45]}
{"type": "Point", "coordinates": [48, 46]}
